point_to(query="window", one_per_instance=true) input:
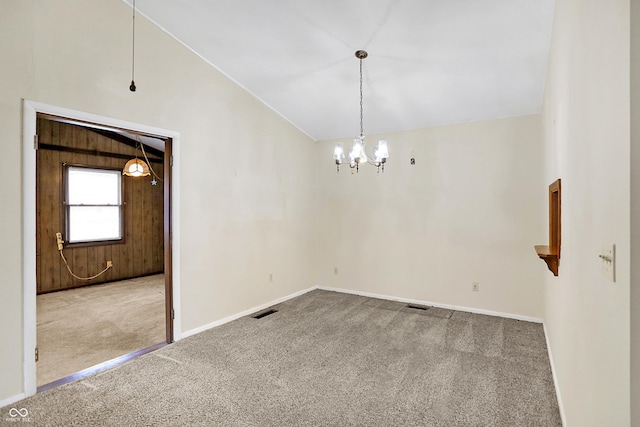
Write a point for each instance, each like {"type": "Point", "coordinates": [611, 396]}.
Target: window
{"type": "Point", "coordinates": [93, 204]}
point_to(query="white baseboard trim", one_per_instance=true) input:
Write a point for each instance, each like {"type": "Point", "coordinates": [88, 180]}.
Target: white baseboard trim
{"type": "Point", "coordinates": [555, 378]}
{"type": "Point", "coordinates": [433, 304]}
{"type": "Point", "coordinates": [13, 399]}
{"type": "Point", "coordinates": [244, 313]}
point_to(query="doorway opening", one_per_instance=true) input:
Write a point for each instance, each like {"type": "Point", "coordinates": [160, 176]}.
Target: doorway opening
{"type": "Point", "coordinates": [99, 246]}
{"type": "Point", "coordinates": [100, 143]}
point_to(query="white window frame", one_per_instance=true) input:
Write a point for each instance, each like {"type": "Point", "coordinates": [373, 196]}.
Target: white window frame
{"type": "Point", "coordinates": [69, 206]}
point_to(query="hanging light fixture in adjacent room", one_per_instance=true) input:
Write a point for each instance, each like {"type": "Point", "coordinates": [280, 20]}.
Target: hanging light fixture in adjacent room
{"type": "Point", "coordinates": [136, 167]}
{"type": "Point", "coordinates": [358, 155]}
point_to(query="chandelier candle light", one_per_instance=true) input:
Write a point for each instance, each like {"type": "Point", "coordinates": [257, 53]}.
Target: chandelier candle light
{"type": "Point", "coordinates": [358, 155]}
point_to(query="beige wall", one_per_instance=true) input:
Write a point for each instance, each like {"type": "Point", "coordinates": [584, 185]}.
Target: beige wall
{"type": "Point", "coordinates": [245, 205]}
{"type": "Point", "coordinates": [468, 211]}
{"type": "Point", "coordinates": [635, 212]}
{"type": "Point", "coordinates": [586, 117]}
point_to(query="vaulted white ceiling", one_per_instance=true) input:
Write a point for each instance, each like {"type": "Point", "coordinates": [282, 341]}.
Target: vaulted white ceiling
{"type": "Point", "coordinates": [431, 62]}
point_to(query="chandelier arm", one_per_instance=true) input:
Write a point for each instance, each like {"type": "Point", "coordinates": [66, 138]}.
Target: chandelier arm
{"type": "Point", "coordinates": [373, 162]}
{"type": "Point", "coordinates": [367, 158]}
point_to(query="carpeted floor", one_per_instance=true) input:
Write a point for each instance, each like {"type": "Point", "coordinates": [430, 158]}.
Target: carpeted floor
{"type": "Point", "coordinates": [324, 359]}
{"type": "Point", "coordinates": [80, 328]}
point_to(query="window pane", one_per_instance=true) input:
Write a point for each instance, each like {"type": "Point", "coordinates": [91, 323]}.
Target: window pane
{"type": "Point", "coordinates": [93, 187]}
{"type": "Point", "coordinates": [88, 223]}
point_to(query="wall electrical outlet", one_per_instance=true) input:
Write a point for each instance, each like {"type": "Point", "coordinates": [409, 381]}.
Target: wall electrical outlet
{"type": "Point", "coordinates": [608, 261]}
{"type": "Point", "coordinates": [475, 287]}
{"type": "Point", "coordinates": [109, 264]}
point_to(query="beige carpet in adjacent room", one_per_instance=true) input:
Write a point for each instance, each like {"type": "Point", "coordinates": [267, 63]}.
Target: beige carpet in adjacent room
{"type": "Point", "coordinates": [80, 328]}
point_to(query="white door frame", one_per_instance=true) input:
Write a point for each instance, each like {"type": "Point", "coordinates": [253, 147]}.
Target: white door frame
{"type": "Point", "coordinates": [30, 110]}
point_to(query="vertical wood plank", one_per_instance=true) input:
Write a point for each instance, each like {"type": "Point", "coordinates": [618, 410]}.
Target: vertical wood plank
{"type": "Point", "coordinates": [47, 188]}
{"type": "Point", "coordinates": [50, 278]}
{"type": "Point", "coordinates": [55, 178]}
{"type": "Point", "coordinates": [157, 241]}
{"type": "Point", "coordinates": [65, 138]}
{"type": "Point", "coordinates": [147, 226]}
{"type": "Point", "coordinates": [94, 266]}
{"type": "Point", "coordinates": [137, 218]}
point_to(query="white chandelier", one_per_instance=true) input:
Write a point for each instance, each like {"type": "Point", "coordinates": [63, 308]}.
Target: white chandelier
{"type": "Point", "coordinates": [358, 155]}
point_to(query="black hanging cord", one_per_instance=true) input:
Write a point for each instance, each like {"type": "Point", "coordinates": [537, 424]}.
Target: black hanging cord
{"type": "Point", "coordinates": [132, 87]}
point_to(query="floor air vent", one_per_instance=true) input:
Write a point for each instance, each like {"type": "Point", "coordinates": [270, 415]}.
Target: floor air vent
{"type": "Point", "coordinates": [417, 307]}
{"type": "Point", "coordinates": [264, 314]}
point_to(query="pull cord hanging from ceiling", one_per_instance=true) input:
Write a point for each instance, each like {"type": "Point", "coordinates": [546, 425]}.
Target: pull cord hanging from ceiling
{"type": "Point", "coordinates": [132, 87]}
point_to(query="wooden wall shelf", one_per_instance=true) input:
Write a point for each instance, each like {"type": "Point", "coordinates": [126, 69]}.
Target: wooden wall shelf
{"type": "Point", "coordinates": [550, 254]}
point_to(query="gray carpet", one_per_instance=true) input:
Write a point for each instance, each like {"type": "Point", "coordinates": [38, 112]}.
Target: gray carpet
{"type": "Point", "coordinates": [324, 359]}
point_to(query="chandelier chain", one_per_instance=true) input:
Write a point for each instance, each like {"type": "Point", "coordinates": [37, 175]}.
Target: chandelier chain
{"type": "Point", "coordinates": [361, 127]}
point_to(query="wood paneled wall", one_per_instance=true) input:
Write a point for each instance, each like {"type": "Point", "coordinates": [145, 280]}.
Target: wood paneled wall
{"type": "Point", "coordinates": [142, 251]}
